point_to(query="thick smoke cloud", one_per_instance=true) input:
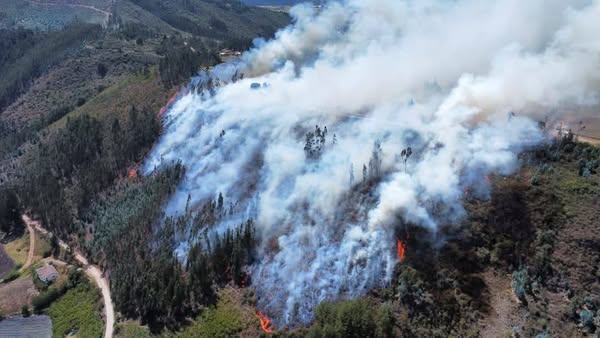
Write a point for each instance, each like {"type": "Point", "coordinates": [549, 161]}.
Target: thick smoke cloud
{"type": "Point", "coordinates": [441, 77]}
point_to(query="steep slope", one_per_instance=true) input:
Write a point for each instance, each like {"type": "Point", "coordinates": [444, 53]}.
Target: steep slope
{"type": "Point", "coordinates": [208, 18]}
{"type": "Point", "coordinates": [53, 14]}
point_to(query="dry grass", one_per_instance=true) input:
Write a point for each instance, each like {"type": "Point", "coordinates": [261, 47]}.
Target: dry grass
{"type": "Point", "coordinates": [140, 91]}
{"type": "Point", "coordinates": [16, 294]}
{"type": "Point", "coordinates": [42, 247]}
{"type": "Point", "coordinates": [18, 249]}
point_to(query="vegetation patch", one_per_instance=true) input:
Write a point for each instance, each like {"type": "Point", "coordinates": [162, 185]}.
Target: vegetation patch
{"type": "Point", "coordinates": [77, 312]}
{"type": "Point", "coordinates": [132, 329]}
{"type": "Point", "coordinates": [6, 263]}
{"type": "Point", "coordinates": [577, 184]}
{"type": "Point", "coordinates": [18, 249]}
{"type": "Point", "coordinates": [223, 320]}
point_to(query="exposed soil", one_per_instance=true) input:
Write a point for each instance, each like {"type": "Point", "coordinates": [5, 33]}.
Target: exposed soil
{"type": "Point", "coordinates": [31, 248]}
{"type": "Point", "coordinates": [16, 294]}
{"type": "Point", "coordinates": [504, 307]}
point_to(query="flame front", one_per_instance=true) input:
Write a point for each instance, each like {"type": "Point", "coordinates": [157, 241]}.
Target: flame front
{"type": "Point", "coordinates": [401, 249]}
{"type": "Point", "coordinates": [265, 322]}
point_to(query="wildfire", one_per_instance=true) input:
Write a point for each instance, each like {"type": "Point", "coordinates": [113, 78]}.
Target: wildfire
{"type": "Point", "coordinates": [265, 322]}
{"type": "Point", "coordinates": [401, 249]}
{"type": "Point", "coordinates": [133, 172]}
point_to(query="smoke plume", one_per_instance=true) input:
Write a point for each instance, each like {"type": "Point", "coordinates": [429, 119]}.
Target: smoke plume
{"type": "Point", "coordinates": [448, 80]}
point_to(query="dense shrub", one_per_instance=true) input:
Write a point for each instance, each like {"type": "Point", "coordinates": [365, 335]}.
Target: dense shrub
{"type": "Point", "coordinates": [10, 213]}
{"type": "Point", "coordinates": [77, 311]}
{"type": "Point", "coordinates": [520, 283]}
{"type": "Point", "coordinates": [44, 300]}
{"type": "Point", "coordinates": [12, 275]}
{"type": "Point", "coordinates": [25, 311]}
{"type": "Point", "coordinates": [355, 318]}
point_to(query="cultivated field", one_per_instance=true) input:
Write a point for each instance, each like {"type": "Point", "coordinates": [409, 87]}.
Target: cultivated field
{"type": "Point", "coordinates": [34, 327]}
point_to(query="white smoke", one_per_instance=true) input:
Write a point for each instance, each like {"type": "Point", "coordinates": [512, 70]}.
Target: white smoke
{"type": "Point", "coordinates": [438, 76]}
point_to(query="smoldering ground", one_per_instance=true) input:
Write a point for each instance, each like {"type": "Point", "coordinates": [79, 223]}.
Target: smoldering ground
{"type": "Point", "coordinates": [446, 78]}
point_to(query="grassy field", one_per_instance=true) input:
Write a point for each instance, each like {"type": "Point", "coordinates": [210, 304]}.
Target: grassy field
{"type": "Point", "coordinates": [116, 100]}
{"type": "Point", "coordinates": [225, 320]}
{"type": "Point", "coordinates": [77, 313]}
{"type": "Point", "coordinates": [132, 329]}
{"type": "Point", "coordinates": [42, 247]}
{"type": "Point", "coordinates": [233, 316]}
{"type": "Point", "coordinates": [18, 249]}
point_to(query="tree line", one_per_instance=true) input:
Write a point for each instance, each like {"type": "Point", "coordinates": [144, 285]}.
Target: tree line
{"type": "Point", "coordinates": [138, 246]}
{"type": "Point", "coordinates": [75, 163]}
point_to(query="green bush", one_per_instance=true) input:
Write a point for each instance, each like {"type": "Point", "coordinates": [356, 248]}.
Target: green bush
{"type": "Point", "coordinates": [44, 300]}
{"type": "Point", "coordinates": [77, 311]}
{"type": "Point", "coordinates": [586, 318]}
{"type": "Point", "coordinates": [25, 311]}
{"type": "Point", "coordinates": [520, 283]}
{"type": "Point", "coordinates": [355, 318]}
{"type": "Point", "coordinates": [224, 320]}
{"type": "Point", "coordinates": [411, 288]}
{"type": "Point", "coordinates": [12, 275]}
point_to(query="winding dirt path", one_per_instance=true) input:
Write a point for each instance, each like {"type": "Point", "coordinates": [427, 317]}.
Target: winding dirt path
{"type": "Point", "coordinates": [92, 271]}
{"type": "Point", "coordinates": [31, 247]}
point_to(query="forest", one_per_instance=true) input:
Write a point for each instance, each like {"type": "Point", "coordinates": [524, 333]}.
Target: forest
{"type": "Point", "coordinates": [77, 174]}
{"type": "Point", "coordinates": [74, 175]}
{"type": "Point", "coordinates": [25, 55]}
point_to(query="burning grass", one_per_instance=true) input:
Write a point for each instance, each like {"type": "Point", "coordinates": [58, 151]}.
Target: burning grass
{"type": "Point", "coordinates": [401, 250]}
{"type": "Point", "coordinates": [265, 322]}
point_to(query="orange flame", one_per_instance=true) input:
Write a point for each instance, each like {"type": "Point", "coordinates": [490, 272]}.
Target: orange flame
{"type": "Point", "coordinates": [265, 322]}
{"type": "Point", "coordinates": [401, 249]}
{"type": "Point", "coordinates": [133, 172]}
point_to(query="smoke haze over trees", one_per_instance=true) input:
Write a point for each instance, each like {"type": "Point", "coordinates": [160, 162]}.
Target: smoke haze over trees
{"type": "Point", "coordinates": [376, 168]}
{"type": "Point", "coordinates": [384, 76]}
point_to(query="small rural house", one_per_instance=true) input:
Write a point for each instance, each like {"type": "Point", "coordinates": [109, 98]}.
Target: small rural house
{"type": "Point", "coordinates": [47, 274]}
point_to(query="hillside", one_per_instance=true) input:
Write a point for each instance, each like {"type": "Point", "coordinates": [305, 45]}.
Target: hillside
{"type": "Point", "coordinates": [221, 20]}
{"type": "Point", "coordinates": [275, 2]}
{"type": "Point", "coordinates": [356, 185]}
{"type": "Point", "coordinates": [208, 18]}
{"type": "Point", "coordinates": [87, 78]}
{"type": "Point", "coordinates": [49, 74]}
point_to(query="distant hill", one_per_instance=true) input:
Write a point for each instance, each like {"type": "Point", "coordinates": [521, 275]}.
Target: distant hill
{"type": "Point", "coordinates": [273, 2]}
{"type": "Point", "coordinates": [53, 14]}
{"type": "Point", "coordinates": [215, 19]}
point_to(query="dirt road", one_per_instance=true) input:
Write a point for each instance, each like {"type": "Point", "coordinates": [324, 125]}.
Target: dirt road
{"type": "Point", "coordinates": [31, 247]}
{"type": "Point", "coordinates": [92, 271]}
